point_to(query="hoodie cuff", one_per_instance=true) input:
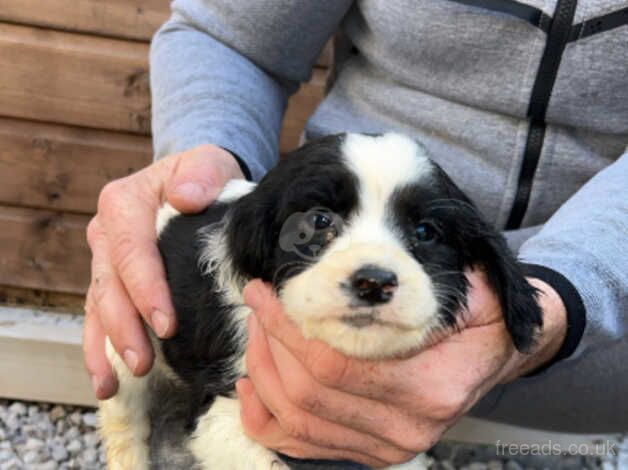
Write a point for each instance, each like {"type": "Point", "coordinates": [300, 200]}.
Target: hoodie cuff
{"type": "Point", "coordinates": [243, 166]}
{"type": "Point", "coordinates": [576, 313]}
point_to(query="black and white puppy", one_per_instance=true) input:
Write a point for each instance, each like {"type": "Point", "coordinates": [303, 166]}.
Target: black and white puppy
{"type": "Point", "coordinates": [365, 240]}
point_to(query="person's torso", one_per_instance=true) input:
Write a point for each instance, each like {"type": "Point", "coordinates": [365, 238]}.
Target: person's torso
{"type": "Point", "coordinates": [521, 102]}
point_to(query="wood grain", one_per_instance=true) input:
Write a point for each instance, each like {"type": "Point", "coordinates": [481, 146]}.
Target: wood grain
{"type": "Point", "coordinates": [131, 19]}
{"type": "Point", "coordinates": [63, 168]}
{"type": "Point", "coordinates": [74, 79]}
{"type": "Point", "coordinates": [43, 250]}
{"type": "Point", "coordinates": [42, 299]}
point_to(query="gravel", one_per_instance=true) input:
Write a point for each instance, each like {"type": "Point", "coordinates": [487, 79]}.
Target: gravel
{"type": "Point", "coordinates": [461, 456]}
{"type": "Point", "coordinates": [48, 437]}
{"type": "Point", "coordinates": [54, 437]}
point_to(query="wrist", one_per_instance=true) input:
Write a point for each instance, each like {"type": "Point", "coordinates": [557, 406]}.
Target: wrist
{"type": "Point", "coordinates": [240, 170]}
{"type": "Point", "coordinates": [550, 338]}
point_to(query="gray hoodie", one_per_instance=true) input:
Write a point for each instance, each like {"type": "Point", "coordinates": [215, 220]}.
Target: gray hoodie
{"type": "Point", "coordinates": [524, 104]}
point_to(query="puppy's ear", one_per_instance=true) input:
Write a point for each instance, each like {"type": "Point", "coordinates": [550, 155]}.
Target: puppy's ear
{"type": "Point", "coordinates": [249, 233]}
{"type": "Point", "coordinates": [482, 245]}
{"type": "Point", "coordinates": [517, 297]}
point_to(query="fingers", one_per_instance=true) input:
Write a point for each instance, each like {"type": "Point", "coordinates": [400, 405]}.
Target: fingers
{"type": "Point", "coordinates": [104, 382]}
{"type": "Point", "coordinates": [382, 420]}
{"type": "Point", "coordinates": [128, 226]}
{"type": "Point", "coordinates": [127, 272]}
{"type": "Point", "coordinates": [369, 379]}
{"type": "Point", "coordinates": [199, 176]}
{"type": "Point", "coordinates": [262, 427]}
{"type": "Point", "coordinates": [299, 424]}
{"type": "Point", "coordinates": [114, 312]}
{"type": "Point", "coordinates": [413, 381]}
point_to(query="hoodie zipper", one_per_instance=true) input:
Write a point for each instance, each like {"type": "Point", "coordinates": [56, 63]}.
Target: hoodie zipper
{"type": "Point", "coordinates": [557, 38]}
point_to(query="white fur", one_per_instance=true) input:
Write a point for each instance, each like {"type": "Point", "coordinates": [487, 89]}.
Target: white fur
{"type": "Point", "coordinates": [164, 215]}
{"type": "Point", "coordinates": [315, 299]}
{"type": "Point", "coordinates": [123, 419]}
{"type": "Point", "coordinates": [215, 262]}
{"type": "Point", "coordinates": [235, 189]}
{"type": "Point", "coordinates": [219, 441]}
{"type": "Point", "coordinates": [383, 164]}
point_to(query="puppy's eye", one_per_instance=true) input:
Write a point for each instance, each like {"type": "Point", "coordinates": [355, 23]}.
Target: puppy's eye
{"type": "Point", "coordinates": [426, 232]}
{"type": "Point", "coordinates": [321, 221]}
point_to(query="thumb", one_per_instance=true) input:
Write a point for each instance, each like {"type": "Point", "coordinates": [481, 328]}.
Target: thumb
{"type": "Point", "coordinates": [198, 177]}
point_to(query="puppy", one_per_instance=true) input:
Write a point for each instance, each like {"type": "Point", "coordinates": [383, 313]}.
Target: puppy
{"type": "Point", "coordinates": [365, 241]}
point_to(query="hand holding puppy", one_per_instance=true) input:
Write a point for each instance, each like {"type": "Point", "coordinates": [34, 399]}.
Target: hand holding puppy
{"type": "Point", "coordinates": [306, 400]}
{"type": "Point", "coordinates": [128, 280]}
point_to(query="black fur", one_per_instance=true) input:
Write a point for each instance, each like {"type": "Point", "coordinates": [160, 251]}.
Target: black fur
{"type": "Point", "coordinates": [202, 352]}
{"type": "Point", "coordinates": [315, 179]}
{"type": "Point", "coordinates": [463, 240]}
{"type": "Point", "coordinates": [311, 177]}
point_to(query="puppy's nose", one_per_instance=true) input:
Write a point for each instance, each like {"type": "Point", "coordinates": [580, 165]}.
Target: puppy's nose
{"type": "Point", "coordinates": [374, 284]}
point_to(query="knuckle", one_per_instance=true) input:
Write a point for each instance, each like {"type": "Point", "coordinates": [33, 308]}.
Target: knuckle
{"type": "Point", "coordinates": [98, 292]}
{"type": "Point", "coordinates": [302, 395]}
{"type": "Point", "coordinates": [205, 149]}
{"type": "Point", "coordinates": [449, 405]}
{"type": "Point", "coordinates": [124, 250]}
{"type": "Point", "coordinates": [328, 367]}
{"type": "Point", "coordinates": [398, 457]}
{"type": "Point", "coordinates": [416, 443]}
{"type": "Point", "coordinates": [92, 231]}
{"type": "Point", "coordinates": [296, 427]}
{"type": "Point", "coordinates": [109, 196]}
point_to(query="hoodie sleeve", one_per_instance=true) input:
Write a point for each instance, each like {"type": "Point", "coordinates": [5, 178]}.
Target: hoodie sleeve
{"type": "Point", "coordinates": [222, 71]}
{"type": "Point", "coordinates": [582, 252]}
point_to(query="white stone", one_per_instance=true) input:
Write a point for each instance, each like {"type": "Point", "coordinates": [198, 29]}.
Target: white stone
{"type": "Point", "coordinates": [59, 453]}
{"type": "Point", "coordinates": [74, 447]}
{"type": "Point", "coordinates": [17, 409]}
{"type": "Point", "coordinates": [31, 457]}
{"type": "Point", "coordinates": [90, 419]}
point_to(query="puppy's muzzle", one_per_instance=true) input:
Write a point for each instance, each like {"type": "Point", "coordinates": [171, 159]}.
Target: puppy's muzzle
{"type": "Point", "coordinates": [373, 285]}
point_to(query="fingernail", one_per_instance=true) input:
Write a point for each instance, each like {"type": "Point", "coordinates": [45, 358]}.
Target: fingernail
{"type": "Point", "coordinates": [131, 359]}
{"type": "Point", "coordinates": [190, 191]}
{"type": "Point", "coordinates": [97, 385]}
{"type": "Point", "coordinates": [160, 322]}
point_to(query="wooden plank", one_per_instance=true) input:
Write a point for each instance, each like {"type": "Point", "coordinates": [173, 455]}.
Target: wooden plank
{"type": "Point", "coordinates": [42, 299]}
{"type": "Point", "coordinates": [43, 250]}
{"type": "Point", "coordinates": [300, 108]}
{"type": "Point", "coordinates": [42, 357]}
{"type": "Point", "coordinates": [127, 19]}
{"type": "Point", "coordinates": [42, 360]}
{"type": "Point", "coordinates": [74, 79]}
{"type": "Point", "coordinates": [131, 19]}
{"type": "Point", "coordinates": [95, 82]}
{"type": "Point", "coordinates": [63, 168]}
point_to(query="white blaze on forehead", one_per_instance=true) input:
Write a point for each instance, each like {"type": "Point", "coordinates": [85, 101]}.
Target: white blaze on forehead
{"type": "Point", "coordinates": [385, 163]}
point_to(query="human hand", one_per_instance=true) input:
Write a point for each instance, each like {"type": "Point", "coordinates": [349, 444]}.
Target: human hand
{"type": "Point", "coordinates": [306, 400]}
{"type": "Point", "coordinates": [128, 281]}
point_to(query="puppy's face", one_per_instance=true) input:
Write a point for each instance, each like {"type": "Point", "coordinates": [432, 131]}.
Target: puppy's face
{"type": "Point", "coordinates": [366, 241]}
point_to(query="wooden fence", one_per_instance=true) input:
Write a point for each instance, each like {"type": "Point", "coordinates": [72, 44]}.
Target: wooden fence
{"type": "Point", "coordinates": [74, 114]}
